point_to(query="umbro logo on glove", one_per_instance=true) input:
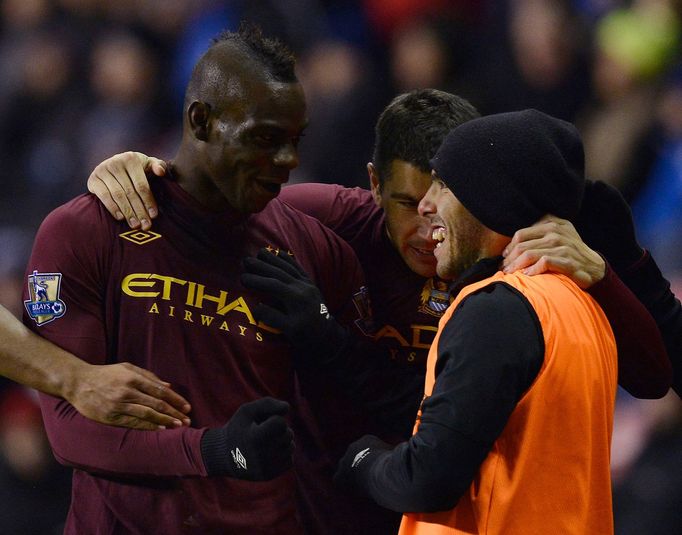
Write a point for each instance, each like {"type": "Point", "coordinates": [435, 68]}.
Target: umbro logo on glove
{"type": "Point", "coordinates": [264, 438]}
{"type": "Point", "coordinates": [359, 457]}
{"type": "Point", "coordinates": [238, 458]}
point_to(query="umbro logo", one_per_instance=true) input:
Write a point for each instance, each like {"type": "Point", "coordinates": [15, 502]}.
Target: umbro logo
{"type": "Point", "coordinates": [140, 237]}
{"type": "Point", "coordinates": [324, 311]}
{"type": "Point", "coordinates": [238, 458]}
{"type": "Point", "coordinates": [359, 456]}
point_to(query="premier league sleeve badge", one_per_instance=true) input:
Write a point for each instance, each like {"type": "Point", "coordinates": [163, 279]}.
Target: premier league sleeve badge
{"type": "Point", "coordinates": [44, 304]}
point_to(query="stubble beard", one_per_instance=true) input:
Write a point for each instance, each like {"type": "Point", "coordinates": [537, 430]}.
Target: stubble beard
{"type": "Point", "coordinates": [465, 248]}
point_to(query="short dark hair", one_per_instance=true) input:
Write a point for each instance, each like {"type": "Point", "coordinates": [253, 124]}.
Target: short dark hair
{"type": "Point", "coordinates": [270, 52]}
{"type": "Point", "coordinates": [229, 54]}
{"type": "Point", "coordinates": [413, 126]}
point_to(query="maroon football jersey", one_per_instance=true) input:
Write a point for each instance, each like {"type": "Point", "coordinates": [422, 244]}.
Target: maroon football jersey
{"type": "Point", "coordinates": [170, 300]}
{"type": "Point", "coordinates": [403, 308]}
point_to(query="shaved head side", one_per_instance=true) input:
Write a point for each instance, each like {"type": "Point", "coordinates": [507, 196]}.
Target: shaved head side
{"type": "Point", "coordinates": [234, 58]}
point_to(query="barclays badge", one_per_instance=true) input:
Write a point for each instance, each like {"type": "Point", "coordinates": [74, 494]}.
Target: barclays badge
{"type": "Point", "coordinates": [44, 304]}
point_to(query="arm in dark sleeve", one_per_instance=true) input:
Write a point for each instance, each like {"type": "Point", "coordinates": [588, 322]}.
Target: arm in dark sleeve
{"type": "Point", "coordinates": [643, 366]}
{"type": "Point", "coordinates": [93, 447]}
{"type": "Point", "coordinates": [345, 211]}
{"type": "Point", "coordinates": [61, 246]}
{"type": "Point", "coordinates": [489, 353]}
{"type": "Point", "coordinates": [315, 200]}
{"type": "Point", "coordinates": [647, 282]}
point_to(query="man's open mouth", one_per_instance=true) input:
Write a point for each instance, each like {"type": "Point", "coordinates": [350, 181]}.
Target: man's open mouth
{"type": "Point", "coordinates": [438, 235]}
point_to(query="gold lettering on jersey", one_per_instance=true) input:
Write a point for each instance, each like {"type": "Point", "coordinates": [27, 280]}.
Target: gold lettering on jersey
{"type": "Point", "coordinates": [167, 282]}
{"type": "Point", "coordinates": [167, 287]}
{"type": "Point", "coordinates": [388, 331]}
{"type": "Point", "coordinates": [191, 289]}
{"type": "Point", "coordinates": [136, 280]}
{"type": "Point", "coordinates": [417, 341]}
{"type": "Point", "coordinates": [207, 321]}
{"type": "Point", "coordinates": [210, 303]}
{"type": "Point", "coordinates": [203, 296]}
{"type": "Point", "coordinates": [238, 305]}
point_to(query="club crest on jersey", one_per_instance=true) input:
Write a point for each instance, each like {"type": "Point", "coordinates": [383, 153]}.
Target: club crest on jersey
{"type": "Point", "coordinates": [44, 304]}
{"type": "Point", "coordinates": [140, 237]}
{"type": "Point", "coordinates": [435, 297]}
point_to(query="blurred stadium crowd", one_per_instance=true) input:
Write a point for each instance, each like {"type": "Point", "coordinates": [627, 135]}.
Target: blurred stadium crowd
{"type": "Point", "coordinates": [84, 79]}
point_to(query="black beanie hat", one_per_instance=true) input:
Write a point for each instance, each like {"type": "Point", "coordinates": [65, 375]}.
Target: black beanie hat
{"type": "Point", "coordinates": [511, 169]}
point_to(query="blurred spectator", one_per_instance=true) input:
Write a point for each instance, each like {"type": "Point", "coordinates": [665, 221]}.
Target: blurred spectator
{"type": "Point", "coordinates": [389, 16]}
{"type": "Point", "coordinates": [419, 58]}
{"type": "Point", "coordinates": [123, 78]}
{"type": "Point", "coordinates": [38, 153]}
{"type": "Point", "coordinates": [34, 489]}
{"type": "Point", "coordinates": [658, 207]}
{"type": "Point", "coordinates": [633, 47]}
{"type": "Point", "coordinates": [648, 492]}
{"type": "Point", "coordinates": [342, 107]}
{"type": "Point", "coordinates": [15, 244]}
{"type": "Point", "coordinates": [19, 19]}
{"type": "Point", "coordinates": [535, 56]}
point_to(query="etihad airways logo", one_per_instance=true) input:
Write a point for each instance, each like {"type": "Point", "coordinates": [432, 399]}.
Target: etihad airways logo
{"type": "Point", "coordinates": [191, 302]}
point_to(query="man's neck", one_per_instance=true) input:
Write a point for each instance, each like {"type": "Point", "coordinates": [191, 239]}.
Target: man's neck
{"type": "Point", "coordinates": [189, 175]}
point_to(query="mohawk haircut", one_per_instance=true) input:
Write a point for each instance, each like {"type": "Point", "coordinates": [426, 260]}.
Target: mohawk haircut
{"type": "Point", "coordinates": [413, 126]}
{"type": "Point", "coordinates": [274, 55]}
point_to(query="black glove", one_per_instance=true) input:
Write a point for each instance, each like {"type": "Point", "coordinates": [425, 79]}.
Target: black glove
{"type": "Point", "coordinates": [605, 224]}
{"type": "Point", "coordinates": [299, 310]}
{"type": "Point", "coordinates": [354, 469]}
{"type": "Point", "coordinates": [256, 444]}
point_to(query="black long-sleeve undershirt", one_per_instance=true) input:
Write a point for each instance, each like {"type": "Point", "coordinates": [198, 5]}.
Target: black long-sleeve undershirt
{"type": "Point", "coordinates": [489, 353]}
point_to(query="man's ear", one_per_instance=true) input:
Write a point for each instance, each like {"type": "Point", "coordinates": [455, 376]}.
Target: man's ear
{"type": "Point", "coordinates": [197, 115]}
{"type": "Point", "coordinates": [374, 183]}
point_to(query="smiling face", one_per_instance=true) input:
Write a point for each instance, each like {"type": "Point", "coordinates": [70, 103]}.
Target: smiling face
{"type": "Point", "coordinates": [252, 145]}
{"type": "Point", "coordinates": [410, 233]}
{"type": "Point", "coordinates": [461, 240]}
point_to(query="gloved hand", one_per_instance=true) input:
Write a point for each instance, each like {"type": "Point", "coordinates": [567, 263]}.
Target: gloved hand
{"type": "Point", "coordinates": [605, 224]}
{"type": "Point", "coordinates": [256, 444]}
{"type": "Point", "coordinates": [354, 469]}
{"type": "Point", "coordinates": [299, 310]}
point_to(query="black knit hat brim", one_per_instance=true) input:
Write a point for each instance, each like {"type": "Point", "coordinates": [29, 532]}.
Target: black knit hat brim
{"type": "Point", "coordinates": [511, 169]}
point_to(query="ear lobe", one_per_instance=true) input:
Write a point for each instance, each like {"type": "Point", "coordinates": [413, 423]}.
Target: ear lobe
{"type": "Point", "coordinates": [198, 114]}
{"type": "Point", "coordinates": [374, 183]}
